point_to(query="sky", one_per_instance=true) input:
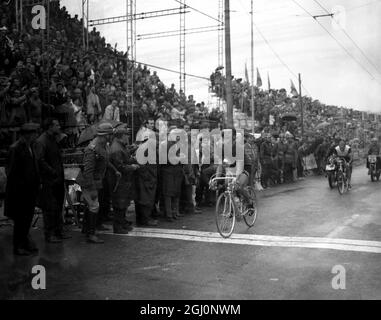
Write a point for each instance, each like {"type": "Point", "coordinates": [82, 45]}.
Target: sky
{"type": "Point", "coordinates": [340, 72]}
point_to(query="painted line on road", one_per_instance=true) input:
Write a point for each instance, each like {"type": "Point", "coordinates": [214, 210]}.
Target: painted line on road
{"type": "Point", "coordinates": [340, 229]}
{"type": "Point", "coordinates": [258, 240]}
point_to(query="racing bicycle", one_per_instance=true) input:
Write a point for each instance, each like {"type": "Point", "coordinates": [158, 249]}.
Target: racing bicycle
{"type": "Point", "coordinates": [231, 207]}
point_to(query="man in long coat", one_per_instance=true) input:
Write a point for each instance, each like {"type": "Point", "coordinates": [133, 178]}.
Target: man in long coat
{"type": "Point", "coordinates": [52, 195]}
{"type": "Point", "coordinates": [122, 187]}
{"type": "Point", "coordinates": [172, 178]}
{"type": "Point", "coordinates": [22, 189]}
{"type": "Point", "coordinates": [146, 179]}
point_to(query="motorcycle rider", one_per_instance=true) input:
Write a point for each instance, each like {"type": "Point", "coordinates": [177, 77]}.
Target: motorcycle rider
{"type": "Point", "coordinates": [344, 151]}
{"type": "Point", "coordinates": [374, 150]}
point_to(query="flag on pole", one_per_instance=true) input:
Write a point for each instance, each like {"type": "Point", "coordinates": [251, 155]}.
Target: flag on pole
{"type": "Point", "coordinates": [246, 74]}
{"type": "Point", "coordinates": [294, 92]}
{"type": "Point", "coordinates": [259, 79]}
{"type": "Point", "coordinates": [268, 81]}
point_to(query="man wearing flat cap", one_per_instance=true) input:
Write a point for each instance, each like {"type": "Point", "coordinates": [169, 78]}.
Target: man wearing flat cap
{"type": "Point", "coordinates": [95, 162]}
{"type": "Point", "coordinates": [51, 199]}
{"type": "Point", "coordinates": [22, 189]}
{"type": "Point", "coordinates": [122, 186]}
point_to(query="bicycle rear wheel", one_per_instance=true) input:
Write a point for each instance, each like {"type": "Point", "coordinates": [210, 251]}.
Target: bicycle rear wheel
{"type": "Point", "coordinates": [251, 216]}
{"type": "Point", "coordinates": [225, 215]}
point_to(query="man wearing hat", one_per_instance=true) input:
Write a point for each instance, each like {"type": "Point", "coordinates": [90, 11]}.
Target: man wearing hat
{"type": "Point", "coordinates": [172, 175]}
{"type": "Point", "coordinates": [146, 182]}
{"type": "Point", "coordinates": [122, 186]}
{"type": "Point", "coordinates": [48, 154]}
{"type": "Point", "coordinates": [22, 189]}
{"type": "Point", "coordinates": [95, 162]}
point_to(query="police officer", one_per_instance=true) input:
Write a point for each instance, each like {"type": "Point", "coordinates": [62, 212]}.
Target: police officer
{"type": "Point", "coordinates": [96, 162]}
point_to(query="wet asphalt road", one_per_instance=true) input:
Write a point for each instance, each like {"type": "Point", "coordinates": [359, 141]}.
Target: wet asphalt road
{"type": "Point", "coordinates": [135, 267]}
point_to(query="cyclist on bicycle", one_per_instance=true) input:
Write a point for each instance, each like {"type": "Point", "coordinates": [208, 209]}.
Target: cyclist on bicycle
{"type": "Point", "coordinates": [374, 150]}
{"type": "Point", "coordinates": [236, 169]}
{"type": "Point", "coordinates": [345, 152]}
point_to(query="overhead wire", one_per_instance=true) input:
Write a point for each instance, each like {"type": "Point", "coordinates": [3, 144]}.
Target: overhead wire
{"type": "Point", "coordinates": [338, 42]}
{"type": "Point", "coordinates": [274, 51]}
{"type": "Point", "coordinates": [350, 38]}
{"type": "Point", "coordinates": [199, 11]}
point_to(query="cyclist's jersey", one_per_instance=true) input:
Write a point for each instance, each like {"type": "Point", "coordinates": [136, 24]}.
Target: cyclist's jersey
{"type": "Point", "coordinates": [346, 153]}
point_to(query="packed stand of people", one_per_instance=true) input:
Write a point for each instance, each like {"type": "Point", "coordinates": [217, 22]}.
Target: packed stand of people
{"type": "Point", "coordinates": [85, 86]}
{"type": "Point", "coordinates": [50, 94]}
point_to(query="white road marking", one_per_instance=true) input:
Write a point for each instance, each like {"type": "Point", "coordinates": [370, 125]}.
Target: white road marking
{"type": "Point", "coordinates": [259, 240]}
{"type": "Point", "coordinates": [340, 229]}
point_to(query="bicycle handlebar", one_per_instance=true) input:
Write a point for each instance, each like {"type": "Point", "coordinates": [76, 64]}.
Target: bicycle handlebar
{"type": "Point", "coordinates": [213, 182]}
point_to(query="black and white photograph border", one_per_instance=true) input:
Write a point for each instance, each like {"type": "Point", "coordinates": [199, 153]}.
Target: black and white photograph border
{"type": "Point", "coordinates": [209, 152]}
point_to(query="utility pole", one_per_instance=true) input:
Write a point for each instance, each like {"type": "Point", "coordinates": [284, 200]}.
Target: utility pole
{"type": "Point", "coordinates": [229, 95]}
{"type": "Point", "coordinates": [301, 103]}
{"type": "Point", "coordinates": [252, 67]}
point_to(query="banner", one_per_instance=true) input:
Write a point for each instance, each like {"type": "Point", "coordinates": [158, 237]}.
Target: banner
{"type": "Point", "coordinates": [294, 92]}
{"type": "Point", "coordinates": [246, 74]}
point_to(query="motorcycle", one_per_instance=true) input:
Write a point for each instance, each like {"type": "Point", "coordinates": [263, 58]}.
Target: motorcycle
{"type": "Point", "coordinates": [330, 170]}
{"type": "Point", "coordinates": [374, 171]}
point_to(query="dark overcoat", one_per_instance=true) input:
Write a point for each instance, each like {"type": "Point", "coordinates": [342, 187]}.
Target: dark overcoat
{"type": "Point", "coordinates": [121, 159]}
{"type": "Point", "coordinates": [22, 181]}
{"type": "Point", "coordinates": [49, 159]}
{"type": "Point", "coordinates": [146, 183]}
{"type": "Point", "coordinates": [172, 177]}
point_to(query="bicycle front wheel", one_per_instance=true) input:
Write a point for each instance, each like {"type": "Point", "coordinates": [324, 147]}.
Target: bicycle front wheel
{"type": "Point", "coordinates": [341, 183]}
{"type": "Point", "coordinates": [225, 215]}
{"type": "Point", "coordinates": [251, 215]}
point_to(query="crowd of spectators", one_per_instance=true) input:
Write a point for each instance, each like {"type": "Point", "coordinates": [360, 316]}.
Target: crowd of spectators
{"type": "Point", "coordinates": [278, 114]}
{"type": "Point", "coordinates": [48, 77]}
{"type": "Point", "coordinates": [41, 78]}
